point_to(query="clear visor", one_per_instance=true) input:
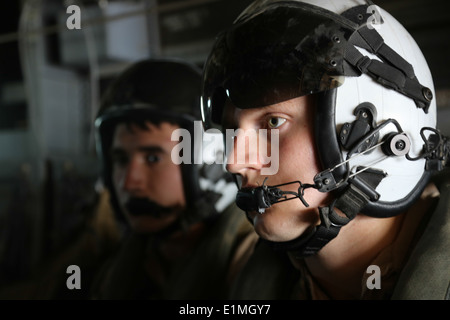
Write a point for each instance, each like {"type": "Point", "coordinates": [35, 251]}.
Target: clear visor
{"type": "Point", "coordinates": [279, 52]}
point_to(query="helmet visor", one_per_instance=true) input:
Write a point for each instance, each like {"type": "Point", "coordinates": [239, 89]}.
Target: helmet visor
{"type": "Point", "coordinates": [278, 52]}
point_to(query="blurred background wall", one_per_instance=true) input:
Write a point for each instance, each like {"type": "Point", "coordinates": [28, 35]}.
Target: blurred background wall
{"type": "Point", "coordinates": [51, 80]}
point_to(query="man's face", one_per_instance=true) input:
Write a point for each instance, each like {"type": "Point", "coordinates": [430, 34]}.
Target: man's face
{"type": "Point", "coordinates": [297, 161]}
{"type": "Point", "coordinates": [143, 168]}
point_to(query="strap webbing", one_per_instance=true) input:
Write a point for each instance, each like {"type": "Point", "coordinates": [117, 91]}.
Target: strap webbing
{"type": "Point", "coordinates": [377, 46]}
{"type": "Point", "coordinates": [350, 202]}
{"type": "Point", "coordinates": [390, 77]}
{"type": "Point", "coordinates": [394, 72]}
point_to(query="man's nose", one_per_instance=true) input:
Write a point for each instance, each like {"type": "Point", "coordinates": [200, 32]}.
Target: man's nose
{"type": "Point", "coordinates": [134, 177]}
{"type": "Point", "coordinates": [243, 152]}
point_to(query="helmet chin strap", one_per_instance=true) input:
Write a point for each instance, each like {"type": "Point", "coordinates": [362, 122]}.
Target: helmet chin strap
{"type": "Point", "coordinates": [359, 191]}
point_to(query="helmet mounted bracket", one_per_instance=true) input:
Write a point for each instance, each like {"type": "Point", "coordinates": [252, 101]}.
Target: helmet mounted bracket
{"type": "Point", "coordinates": [350, 133]}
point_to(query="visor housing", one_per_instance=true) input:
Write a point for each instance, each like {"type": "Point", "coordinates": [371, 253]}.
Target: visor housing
{"type": "Point", "coordinates": [294, 49]}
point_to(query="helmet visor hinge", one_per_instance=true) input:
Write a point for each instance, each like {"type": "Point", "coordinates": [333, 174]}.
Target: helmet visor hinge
{"type": "Point", "coordinates": [351, 133]}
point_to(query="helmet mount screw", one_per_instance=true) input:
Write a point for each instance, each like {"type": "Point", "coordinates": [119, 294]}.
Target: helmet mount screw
{"type": "Point", "coordinates": [427, 94]}
{"type": "Point", "coordinates": [400, 145]}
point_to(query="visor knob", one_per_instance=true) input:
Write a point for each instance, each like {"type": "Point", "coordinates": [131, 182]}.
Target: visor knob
{"type": "Point", "coordinates": [396, 144]}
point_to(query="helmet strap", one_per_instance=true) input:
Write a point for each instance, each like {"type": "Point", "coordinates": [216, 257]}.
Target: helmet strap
{"type": "Point", "coordinates": [350, 202]}
{"type": "Point", "coordinates": [393, 71]}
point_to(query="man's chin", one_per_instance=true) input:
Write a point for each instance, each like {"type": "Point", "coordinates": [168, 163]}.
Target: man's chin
{"type": "Point", "coordinates": [268, 227]}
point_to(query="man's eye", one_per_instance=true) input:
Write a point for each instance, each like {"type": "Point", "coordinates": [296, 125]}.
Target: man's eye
{"type": "Point", "coordinates": [275, 122]}
{"type": "Point", "coordinates": [152, 158]}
